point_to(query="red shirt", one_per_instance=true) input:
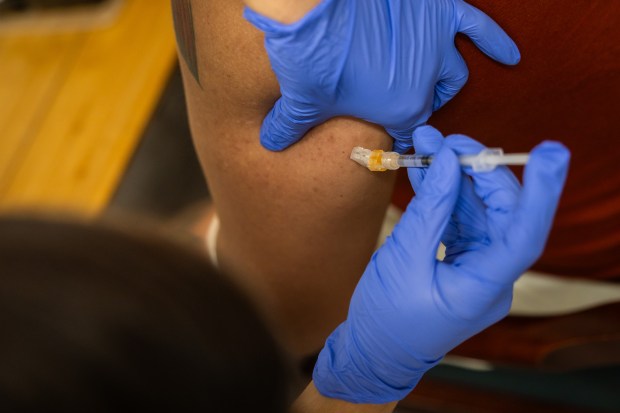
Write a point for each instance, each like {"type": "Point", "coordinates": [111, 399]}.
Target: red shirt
{"type": "Point", "coordinates": [566, 88]}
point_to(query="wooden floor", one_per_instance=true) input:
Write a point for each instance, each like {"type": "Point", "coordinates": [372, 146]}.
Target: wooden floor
{"type": "Point", "coordinates": [74, 101]}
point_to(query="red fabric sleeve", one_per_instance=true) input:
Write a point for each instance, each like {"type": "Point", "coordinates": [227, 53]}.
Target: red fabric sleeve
{"type": "Point", "coordinates": [566, 88]}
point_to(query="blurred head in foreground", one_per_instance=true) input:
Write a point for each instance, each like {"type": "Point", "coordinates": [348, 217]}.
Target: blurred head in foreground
{"type": "Point", "coordinates": [97, 319]}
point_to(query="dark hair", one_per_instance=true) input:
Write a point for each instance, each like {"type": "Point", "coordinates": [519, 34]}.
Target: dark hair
{"type": "Point", "coordinates": [98, 319]}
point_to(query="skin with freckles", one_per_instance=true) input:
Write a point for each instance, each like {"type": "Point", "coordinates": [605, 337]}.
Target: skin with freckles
{"type": "Point", "coordinates": [284, 11]}
{"type": "Point", "coordinates": [297, 227]}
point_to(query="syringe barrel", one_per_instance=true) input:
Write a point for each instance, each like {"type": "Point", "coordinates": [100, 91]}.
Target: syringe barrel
{"type": "Point", "coordinates": [415, 161]}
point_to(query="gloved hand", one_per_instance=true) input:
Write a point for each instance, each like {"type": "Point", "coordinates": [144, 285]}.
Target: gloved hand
{"type": "Point", "coordinates": [409, 309]}
{"type": "Point", "coordinates": [390, 62]}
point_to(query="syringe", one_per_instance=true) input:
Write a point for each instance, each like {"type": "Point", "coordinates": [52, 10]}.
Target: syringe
{"type": "Point", "coordinates": [487, 160]}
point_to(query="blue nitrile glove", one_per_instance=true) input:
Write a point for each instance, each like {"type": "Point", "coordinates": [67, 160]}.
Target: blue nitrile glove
{"type": "Point", "coordinates": [409, 309]}
{"type": "Point", "coordinates": [390, 62]}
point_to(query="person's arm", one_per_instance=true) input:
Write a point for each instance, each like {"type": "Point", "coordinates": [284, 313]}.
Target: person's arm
{"type": "Point", "coordinates": [311, 401]}
{"type": "Point", "coordinates": [283, 11]}
{"type": "Point", "coordinates": [298, 226]}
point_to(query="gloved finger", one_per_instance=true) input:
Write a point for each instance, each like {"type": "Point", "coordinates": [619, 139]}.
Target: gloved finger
{"type": "Point", "coordinates": [543, 182]}
{"type": "Point", "coordinates": [486, 34]}
{"type": "Point", "coordinates": [427, 215]}
{"type": "Point", "coordinates": [426, 141]}
{"type": "Point", "coordinates": [498, 189]}
{"type": "Point", "coordinates": [467, 227]}
{"type": "Point", "coordinates": [402, 139]}
{"type": "Point", "coordinates": [453, 78]}
{"type": "Point", "coordinates": [286, 123]}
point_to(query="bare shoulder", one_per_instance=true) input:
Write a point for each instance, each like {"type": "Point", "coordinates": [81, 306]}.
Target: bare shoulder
{"type": "Point", "coordinates": [220, 49]}
{"type": "Point", "coordinates": [291, 221]}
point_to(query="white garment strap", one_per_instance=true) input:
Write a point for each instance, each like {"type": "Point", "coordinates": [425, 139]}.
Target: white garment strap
{"type": "Point", "coordinates": [211, 239]}
{"type": "Point", "coordinates": [539, 295]}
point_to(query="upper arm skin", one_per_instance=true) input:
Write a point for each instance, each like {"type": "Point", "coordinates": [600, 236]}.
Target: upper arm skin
{"type": "Point", "coordinates": [298, 226]}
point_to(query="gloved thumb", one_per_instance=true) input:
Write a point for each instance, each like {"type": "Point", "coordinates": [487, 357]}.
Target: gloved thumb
{"type": "Point", "coordinates": [453, 77]}
{"type": "Point", "coordinates": [543, 183]}
{"type": "Point", "coordinates": [426, 141]}
{"type": "Point", "coordinates": [487, 35]}
{"type": "Point", "coordinates": [287, 123]}
{"type": "Point", "coordinates": [430, 210]}
{"type": "Point", "coordinates": [402, 139]}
